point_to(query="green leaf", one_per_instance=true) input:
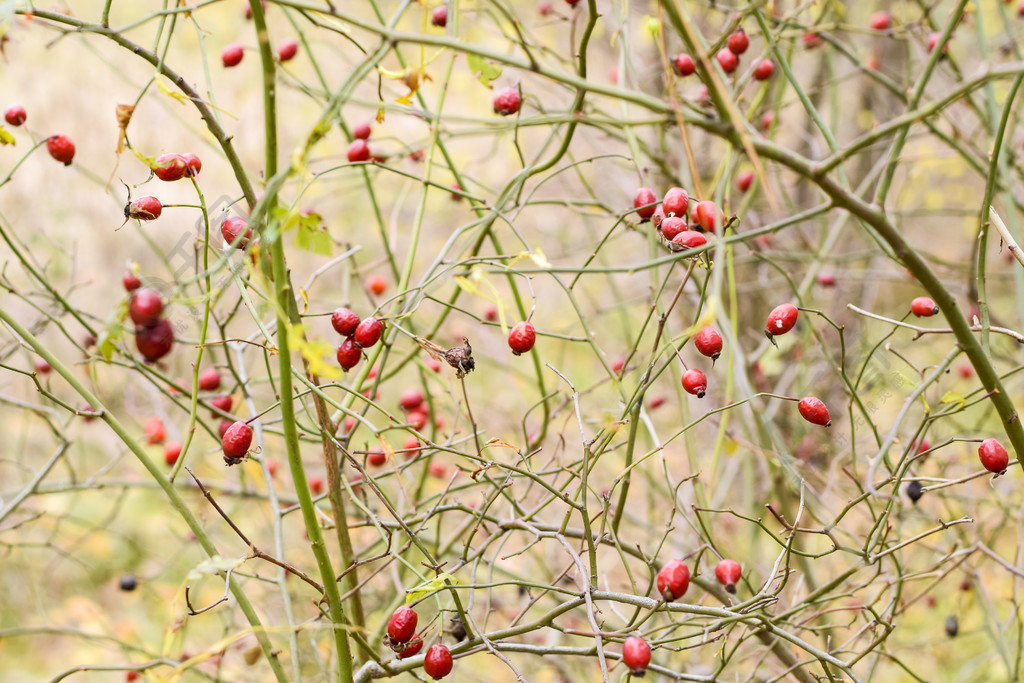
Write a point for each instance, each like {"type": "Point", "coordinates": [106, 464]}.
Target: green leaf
{"type": "Point", "coordinates": [214, 565]}
{"type": "Point", "coordinates": [313, 236]}
{"type": "Point", "coordinates": [426, 588]}
{"type": "Point", "coordinates": [482, 69]}
{"type": "Point", "coordinates": [953, 397]}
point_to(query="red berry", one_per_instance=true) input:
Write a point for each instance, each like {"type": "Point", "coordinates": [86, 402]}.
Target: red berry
{"type": "Point", "coordinates": [236, 231]}
{"type": "Point", "coordinates": [358, 151]}
{"type": "Point", "coordinates": [881, 20]}
{"type": "Point", "coordinates": [728, 60]}
{"type": "Point", "coordinates": [376, 284]}
{"type": "Point", "coordinates": [193, 163]}
{"type": "Point", "coordinates": [672, 226]}
{"type": "Point", "coordinates": [361, 132]}
{"type": "Point", "coordinates": [826, 279]}
{"type": "Point", "coordinates": [636, 655]}
{"type": "Point", "coordinates": [368, 332]}
{"type": "Point", "coordinates": [130, 281]}
{"type": "Point", "coordinates": [437, 470]}
{"type": "Point", "coordinates": [767, 119]}
{"type": "Point", "coordinates": [209, 379]}
{"type": "Point", "coordinates": [708, 216]}
{"type": "Point", "coordinates": [15, 115]}
{"type": "Point", "coordinates": [433, 364]}
{"type": "Point", "coordinates": [377, 458]}
{"type": "Point", "coordinates": [145, 306]}
{"type": "Point", "coordinates": [738, 42]}
{"type": "Point", "coordinates": [411, 648]}
{"type": "Point", "coordinates": [655, 402]}
{"type": "Point", "coordinates": [42, 367]}
{"type": "Point", "coordinates": [221, 403]}
{"type": "Point", "coordinates": [689, 239]}
{"type": "Point", "coordinates": [402, 624]}
{"type": "Point", "coordinates": [236, 441]}
{"type": "Point", "coordinates": [675, 202]}
{"type": "Point", "coordinates": [411, 399]}
{"type": "Point", "coordinates": [695, 382]}
{"type": "Point", "coordinates": [440, 16]}
{"type": "Point", "coordinates": [411, 447]}
{"type": "Point", "coordinates": [708, 342]}
{"type": "Point", "coordinates": [154, 430]}
{"type": "Point", "coordinates": [781, 320]}
{"type": "Point", "coordinates": [673, 580]}
{"type": "Point", "coordinates": [814, 411]}
{"type": "Point", "coordinates": [728, 573]}
{"type": "Point", "coordinates": [811, 40]}
{"type": "Point", "coordinates": [645, 198]}
{"type": "Point", "coordinates": [232, 55]}
{"type": "Point", "coordinates": [287, 50]}
{"type": "Point", "coordinates": [144, 209]}
{"type": "Point", "coordinates": [271, 464]}
{"type": "Point", "coordinates": [522, 338]}
{"type": "Point", "coordinates": [170, 167]}
{"type": "Point", "coordinates": [438, 662]}
{"type": "Point", "coordinates": [348, 354]}
{"type": "Point", "coordinates": [417, 418]}
{"type": "Point", "coordinates": [344, 321]}
{"type": "Point", "coordinates": [507, 101]}
{"type": "Point", "coordinates": [316, 485]}
{"type": "Point", "coordinates": [764, 70]}
{"type": "Point", "coordinates": [684, 64]}
{"type": "Point", "coordinates": [933, 40]}
{"type": "Point", "coordinates": [923, 307]}
{"type": "Point", "coordinates": [744, 180]}
{"type": "Point", "coordinates": [223, 427]}
{"type": "Point", "coordinates": [171, 452]}
{"type": "Point", "coordinates": [61, 148]}
{"type": "Point", "coordinates": [618, 364]}
{"type": "Point", "coordinates": [154, 341]}
{"type": "Point", "coordinates": [544, 8]}
{"type": "Point", "coordinates": [993, 456]}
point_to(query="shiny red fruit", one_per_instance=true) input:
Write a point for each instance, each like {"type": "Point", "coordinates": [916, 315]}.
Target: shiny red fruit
{"type": "Point", "coordinates": [923, 307]}
{"type": "Point", "coordinates": [645, 198]}
{"type": "Point", "coordinates": [130, 281]}
{"type": "Point", "coordinates": [145, 306]}
{"type": "Point", "coordinates": [155, 341]}
{"type": "Point", "coordinates": [170, 167]}
{"type": "Point", "coordinates": [411, 447]}
{"type": "Point", "coordinates": [15, 115]}
{"type": "Point", "coordinates": [361, 131]}
{"type": "Point", "coordinates": [236, 441]}
{"type": "Point", "coordinates": [61, 148]}
{"type": "Point", "coordinates": [728, 60]}
{"type": "Point", "coordinates": [348, 354]}
{"type": "Point", "coordinates": [744, 180]}
{"type": "Point", "coordinates": [358, 151]}
{"type": "Point", "coordinates": [522, 338]}
{"type": "Point", "coordinates": [171, 452]}
{"type": "Point", "coordinates": [411, 399]}
{"type": "Point", "coordinates": [708, 216]}
{"type": "Point", "coordinates": [144, 209]}
{"type": "Point", "coordinates": [636, 655]}
{"type": "Point", "coordinates": [402, 624]}
{"type": "Point", "coordinates": [411, 649]}
{"type": "Point", "coordinates": [232, 55]}
{"type": "Point", "coordinates": [695, 382]}
{"type": "Point", "coordinates": [368, 332]}
{"type": "Point", "coordinates": [738, 42]}
{"type": "Point", "coordinates": [222, 403]}
{"type": "Point", "coordinates": [438, 661]}
{"type": "Point", "coordinates": [209, 379]}
{"type": "Point", "coordinates": [193, 164]}
{"type": "Point", "coordinates": [42, 367]}
{"type": "Point", "coordinates": [781, 320]}
{"type": "Point", "coordinates": [344, 321]}
{"type": "Point", "coordinates": [993, 455]}
{"type": "Point", "coordinates": [764, 70]}
{"type": "Point", "coordinates": [708, 342]}
{"type": "Point", "coordinates": [684, 64]}
{"type": "Point", "coordinates": [689, 239]}
{"type": "Point", "coordinates": [675, 202]}
{"type": "Point", "coordinates": [728, 574]}
{"type": "Point", "coordinates": [223, 426]}
{"type": "Point", "coordinates": [236, 231]}
{"type": "Point", "coordinates": [673, 580]}
{"type": "Point", "coordinates": [672, 226]}
{"type": "Point", "coordinates": [154, 430]}
{"type": "Point", "coordinates": [287, 50]}
{"type": "Point", "coordinates": [377, 458]}
{"type": "Point", "coordinates": [814, 411]}
{"type": "Point", "coordinates": [881, 20]}
{"type": "Point", "coordinates": [440, 16]}
{"type": "Point", "coordinates": [507, 101]}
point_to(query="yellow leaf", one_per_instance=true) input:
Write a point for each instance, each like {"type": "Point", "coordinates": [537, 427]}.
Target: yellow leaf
{"type": "Point", "coordinates": [466, 284]}
{"type": "Point", "coordinates": [305, 299]}
{"type": "Point", "coordinates": [953, 397]}
{"type": "Point", "coordinates": [318, 353]}
{"type": "Point", "coordinates": [167, 91]}
{"type": "Point", "coordinates": [427, 587]}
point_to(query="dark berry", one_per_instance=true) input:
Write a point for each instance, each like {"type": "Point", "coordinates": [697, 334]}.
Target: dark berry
{"type": "Point", "coordinates": [914, 491]}
{"type": "Point", "coordinates": [155, 341]}
{"type": "Point", "coordinates": [128, 583]}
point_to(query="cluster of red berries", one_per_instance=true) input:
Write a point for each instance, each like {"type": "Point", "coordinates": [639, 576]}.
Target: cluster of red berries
{"type": "Point", "coordinates": [359, 150]}
{"type": "Point", "coordinates": [670, 217]}
{"type": "Point", "coordinates": [728, 58]}
{"type": "Point", "coordinates": [405, 642]}
{"type": "Point", "coordinates": [172, 167]}
{"type": "Point", "coordinates": [358, 334]}
{"type": "Point", "coordinates": [155, 433]}
{"type": "Point", "coordinates": [781, 320]}
{"type": "Point", "coordinates": [154, 336]}
{"type": "Point", "coordinates": [417, 414]}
